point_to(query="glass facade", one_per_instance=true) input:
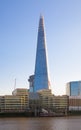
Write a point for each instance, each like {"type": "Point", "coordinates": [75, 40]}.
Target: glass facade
{"type": "Point", "coordinates": [73, 88]}
{"type": "Point", "coordinates": [41, 69]}
{"type": "Point", "coordinates": [31, 83]}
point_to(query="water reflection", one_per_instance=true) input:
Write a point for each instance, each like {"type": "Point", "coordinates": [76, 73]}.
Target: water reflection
{"type": "Point", "coordinates": [60, 123]}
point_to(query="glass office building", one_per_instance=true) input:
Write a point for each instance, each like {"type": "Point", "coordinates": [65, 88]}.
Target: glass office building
{"type": "Point", "coordinates": [73, 88]}
{"type": "Point", "coordinates": [41, 80]}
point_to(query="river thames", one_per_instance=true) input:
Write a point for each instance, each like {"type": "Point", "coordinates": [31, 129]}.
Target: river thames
{"type": "Point", "coordinates": [49, 123]}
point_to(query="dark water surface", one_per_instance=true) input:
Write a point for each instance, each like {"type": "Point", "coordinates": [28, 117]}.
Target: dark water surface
{"type": "Point", "coordinates": [59, 123]}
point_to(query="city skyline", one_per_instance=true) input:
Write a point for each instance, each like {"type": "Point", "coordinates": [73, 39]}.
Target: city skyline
{"type": "Point", "coordinates": [18, 31]}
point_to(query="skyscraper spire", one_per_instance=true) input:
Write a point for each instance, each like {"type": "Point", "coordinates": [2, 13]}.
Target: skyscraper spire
{"type": "Point", "coordinates": [41, 80]}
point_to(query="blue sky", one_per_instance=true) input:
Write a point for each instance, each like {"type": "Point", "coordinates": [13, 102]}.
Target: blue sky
{"type": "Point", "coordinates": [19, 21]}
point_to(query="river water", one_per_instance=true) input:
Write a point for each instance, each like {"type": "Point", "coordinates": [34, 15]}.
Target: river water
{"type": "Point", "coordinates": [54, 123]}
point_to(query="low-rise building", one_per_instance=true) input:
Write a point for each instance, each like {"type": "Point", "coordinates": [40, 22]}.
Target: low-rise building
{"type": "Point", "coordinates": [46, 98]}
{"type": "Point", "coordinates": [61, 103]}
{"type": "Point", "coordinates": [74, 103]}
{"type": "Point", "coordinates": [17, 102]}
{"type": "Point", "coordinates": [22, 100]}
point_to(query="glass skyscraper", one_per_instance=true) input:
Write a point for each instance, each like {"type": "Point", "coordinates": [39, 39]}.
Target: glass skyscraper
{"type": "Point", "coordinates": [41, 80]}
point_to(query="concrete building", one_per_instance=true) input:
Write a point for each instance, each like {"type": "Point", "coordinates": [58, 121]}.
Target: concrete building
{"type": "Point", "coordinates": [46, 98]}
{"type": "Point", "coordinates": [17, 102]}
{"type": "Point", "coordinates": [56, 104]}
{"type": "Point", "coordinates": [61, 103]}
{"type": "Point", "coordinates": [74, 103]}
{"type": "Point", "coordinates": [43, 100]}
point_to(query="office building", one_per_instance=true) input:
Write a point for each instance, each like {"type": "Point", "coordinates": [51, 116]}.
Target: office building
{"type": "Point", "coordinates": [17, 102]}
{"type": "Point", "coordinates": [31, 83]}
{"type": "Point", "coordinates": [74, 103]}
{"type": "Point", "coordinates": [73, 88]}
{"type": "Point", "coordinates": [52, 103]}
{"type": "Point", "coordinates": [61, 103]}
{"type": "Point", "coordinates": [46, 98]}
{"type": "Point", "coordinates": [41, 79]}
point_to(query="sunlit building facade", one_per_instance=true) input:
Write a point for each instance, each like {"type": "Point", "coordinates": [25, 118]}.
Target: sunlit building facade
{"type": "Point", "coordinates": [17, 102]}
{"type": "Point", "coordinates": [61, 103]}
{"type": "Point", "coordinates": [47, 99]}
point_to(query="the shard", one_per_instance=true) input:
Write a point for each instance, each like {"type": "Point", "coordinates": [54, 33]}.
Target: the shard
{"type": "Point", "coordinates": [41, 76]}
